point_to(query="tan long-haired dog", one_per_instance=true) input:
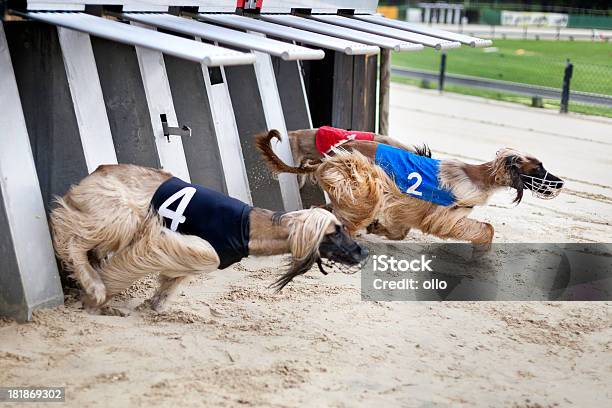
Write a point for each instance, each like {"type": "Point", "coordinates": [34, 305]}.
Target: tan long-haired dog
{"type": "Point", "coordinates": [363, 195]}
{"type": "Point", "coordinates": [108, 234]}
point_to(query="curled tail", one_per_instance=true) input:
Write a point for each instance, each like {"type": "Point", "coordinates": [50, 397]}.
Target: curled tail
{"type": "Point", "coordinates": [275, 164]}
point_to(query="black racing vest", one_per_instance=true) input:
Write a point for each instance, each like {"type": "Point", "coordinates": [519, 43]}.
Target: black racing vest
{"type": "Point", "coordinates": [192, 209]}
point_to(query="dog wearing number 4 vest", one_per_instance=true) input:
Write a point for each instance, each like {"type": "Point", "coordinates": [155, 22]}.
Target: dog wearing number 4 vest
{"type": "Point", "coordinates": [123, 222]}
{"type": "Point", "coordinates": [389, 190]}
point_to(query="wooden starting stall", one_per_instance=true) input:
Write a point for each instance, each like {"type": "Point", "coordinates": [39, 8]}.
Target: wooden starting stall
{"type": "Point", "coordinates": [182, 85]}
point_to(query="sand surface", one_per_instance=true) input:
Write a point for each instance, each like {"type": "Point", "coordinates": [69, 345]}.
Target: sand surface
{"type": "Point", "coordinates": [228, 340]}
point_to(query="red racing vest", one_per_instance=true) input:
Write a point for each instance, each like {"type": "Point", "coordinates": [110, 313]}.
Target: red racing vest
{"type": "Point", "coordinates": [328, 137]}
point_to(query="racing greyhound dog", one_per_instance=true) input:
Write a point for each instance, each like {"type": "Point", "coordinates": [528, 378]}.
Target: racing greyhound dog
{"type": "Point", "coordinates": [123, 222]}
{"type": "Point", "coordinates": [390, 190]}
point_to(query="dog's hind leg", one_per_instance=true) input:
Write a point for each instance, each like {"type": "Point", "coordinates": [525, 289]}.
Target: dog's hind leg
{"type": "Point", "coordinates": [395, 233]}
{"type": "Point", "coordinates": [85, 274]}
{"type": "Point", "coordinates": [74, 245]}
{"type": "Point", "coordinates": [81, 238]}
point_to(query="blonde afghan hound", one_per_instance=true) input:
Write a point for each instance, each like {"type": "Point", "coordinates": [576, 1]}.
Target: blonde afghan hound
{"type": "Point", "coordinates": [121, 223]}
{"type": "Point", "coordinates": [436, 198]}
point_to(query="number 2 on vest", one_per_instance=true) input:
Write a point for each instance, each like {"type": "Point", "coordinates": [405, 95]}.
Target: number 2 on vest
{"type": "Point", "coordinates": [413, 188]}
{"type": "Point", "coordinates": [177, 217]}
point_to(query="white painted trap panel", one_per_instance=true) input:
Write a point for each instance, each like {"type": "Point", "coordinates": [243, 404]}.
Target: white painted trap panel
{"type": "Point", "coordinates": [319, 6]}
{"type": "Point", "coordinates": [284, 50]}
{"type": "Point", "coordinates": [27, 231]}
{"type": "Point", "coordinates": [290, 33]}
{"type": "Point", "coordinates": [87, 98]}
{"type": "Point", "coordinates": [428, 41]}
{"type": "Point", "coordinates": [273, 111]}
{"type": "Point", "coordinates": [228, 139]}
{"type": "Point", "coordinates": [159, 100]}
{"type": "Point", "coordinates": [134, 5]}
{"type": "Point", "coordinates": [422, 29]}
{"type": "Point", "coordinates": [124, 33]}
{"type": "Point", "coordinates": [342, 32]}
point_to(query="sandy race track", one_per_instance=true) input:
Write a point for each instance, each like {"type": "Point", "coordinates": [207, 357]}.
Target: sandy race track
{"type": "Point", "coordinates": [230, 341]}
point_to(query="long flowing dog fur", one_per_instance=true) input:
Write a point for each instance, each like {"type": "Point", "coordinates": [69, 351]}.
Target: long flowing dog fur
{"type": "Point", "coordinates": [362, 194]}
{"type": "Point", "coordinates": [107, 237]}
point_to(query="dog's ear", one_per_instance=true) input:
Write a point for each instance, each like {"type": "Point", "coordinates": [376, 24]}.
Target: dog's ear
{"type": "Point", "coordinates": [513, 168]}
{"type": "Point", "coordinates": [422, 150]}
{"type": "Point", "coordinates": [296, 268]}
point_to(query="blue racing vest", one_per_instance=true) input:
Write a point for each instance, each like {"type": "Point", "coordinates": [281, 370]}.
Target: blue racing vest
{"type": "Point", "coordinates": [192, 209]}
{"type": "Point", "coordinates": [414, 175]}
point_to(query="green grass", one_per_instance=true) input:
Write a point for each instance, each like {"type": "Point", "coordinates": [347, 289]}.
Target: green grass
{"type": "Point", "coordinates": [510, 97]}
{"type": "Point", "coordinates": [526, 61]}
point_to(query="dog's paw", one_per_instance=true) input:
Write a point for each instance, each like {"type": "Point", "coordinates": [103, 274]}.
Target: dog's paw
{"type": "Point", "coordinates": [90, 306]}
{"type": "Point", "coordinates": [96, 293]}
{"type": "Point", "coordinates": [158, 302]}
{"type": "Point", "coordinates": [112, 311]}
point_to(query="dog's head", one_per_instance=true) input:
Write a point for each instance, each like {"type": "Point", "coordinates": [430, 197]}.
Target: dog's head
{"type": "Point", "coordinates": [316, 235]}
{"type": "Point", "coordinates": [521, 171]}
{"type": "Point", "coordinates": [338, 246]}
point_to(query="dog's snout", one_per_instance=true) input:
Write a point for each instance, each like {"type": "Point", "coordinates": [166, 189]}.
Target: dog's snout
{"type": "Point", "coordinates": [554, 181]}
{"type": "Point", "coordinates": [551, 177]}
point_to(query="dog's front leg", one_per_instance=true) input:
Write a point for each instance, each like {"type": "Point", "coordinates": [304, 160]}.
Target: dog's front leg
{"type": "Point", "coordinates": [180, 257]}
{"type": "Point", "coordinates": [396, 233]}
{"type": "Point", "coordinates": [158, 251]}
{"type": "Point", "coordinates": [477, 232]}
{"type": "Point", "coordinates": [168, 286]}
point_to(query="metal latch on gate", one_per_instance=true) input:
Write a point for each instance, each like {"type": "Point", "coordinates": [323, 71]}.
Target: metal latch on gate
{"type": "Point", "coordinates": [183, 131]}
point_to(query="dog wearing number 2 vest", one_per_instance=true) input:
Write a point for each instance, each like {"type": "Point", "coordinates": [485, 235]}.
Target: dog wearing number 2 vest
{"type": "Point", "coordinates": [123, 222]}
{"type": "Point", "coordinates": [389, 190]}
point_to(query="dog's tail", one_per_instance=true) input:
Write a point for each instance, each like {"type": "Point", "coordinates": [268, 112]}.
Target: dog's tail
{"type": "Point", "coordinates": [275, 164]}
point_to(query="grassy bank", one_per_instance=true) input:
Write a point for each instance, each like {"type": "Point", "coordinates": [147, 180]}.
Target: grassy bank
{"type": "Point", "coordinates": [526, 61]}
{"type": "Point", "coordinates": [510, 97]}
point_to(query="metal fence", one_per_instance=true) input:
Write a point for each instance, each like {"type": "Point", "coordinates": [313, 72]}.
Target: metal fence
{"type": "Point", "coordinates": [532, 33]}
{"type": "Point", "coordinates": [544, 82]}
